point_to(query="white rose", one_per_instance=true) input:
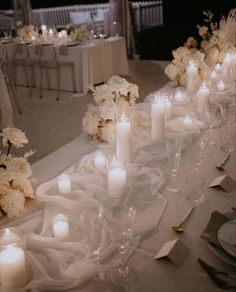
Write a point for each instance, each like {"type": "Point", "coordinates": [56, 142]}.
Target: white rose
{"type": "Point", "coordinates": [108, 110]}
{"type": "Point", "coordinates": [12, 203]}
{"type": "Point", "coordinates": [118, 85]}
{"type": "Point", "coordinates": [24, 186]}
{"type": "Point", "coordinates": [91, 120]}
{"type": "Point", "coordinates": [14, 136]}
{"type": "Point", "coordinates": [102, 93]}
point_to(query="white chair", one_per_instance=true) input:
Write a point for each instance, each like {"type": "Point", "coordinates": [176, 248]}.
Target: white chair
{"type": "Point", "coordinates": [56, 65]}
{"type": "Point", "coordinates": [79, 18]}
{"type": "Point", "coordinates": [4, 64]}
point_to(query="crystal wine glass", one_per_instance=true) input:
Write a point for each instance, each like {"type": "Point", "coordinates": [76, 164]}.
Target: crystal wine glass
{"type": "Point", "coordinates": [174, 148]}
{"type": "Point", "coordinates": [123, 233]}
{"type": "Point", "coordinates": [93, 224]}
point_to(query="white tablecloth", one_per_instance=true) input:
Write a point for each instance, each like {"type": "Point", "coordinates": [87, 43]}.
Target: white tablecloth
{"type": "Point", "coordinates": [6, 115]}
{"type": "Point", "coordinates": [94, 63]}
{"type": "Point", "coordinates": [160, 275]}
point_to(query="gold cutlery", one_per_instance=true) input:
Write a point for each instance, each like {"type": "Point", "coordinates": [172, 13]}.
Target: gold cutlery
{"type": "Point", "coordinates": [180, 227]}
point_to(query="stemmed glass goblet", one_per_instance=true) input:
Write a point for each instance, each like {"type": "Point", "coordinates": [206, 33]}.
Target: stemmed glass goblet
{"type": "Point", "coordinates": [123, 233]}
{"type": "Point", "coordinates": [174, 148]}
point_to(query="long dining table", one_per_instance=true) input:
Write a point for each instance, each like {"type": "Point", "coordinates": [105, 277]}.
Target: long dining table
{"type": "Point", "coordinates": [148, 274]}
{"type": "Point", "coordinates": [94, 62]}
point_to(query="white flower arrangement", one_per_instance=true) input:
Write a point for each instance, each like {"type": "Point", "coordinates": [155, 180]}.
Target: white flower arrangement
{"type": "Point", "coordinates": [15, 172]}
{"type": "Point", "coordinates": [26, 32]}
{"type": "Point", "coordinates": [176, 70]}
{"type": "Point", "coordinates": [80, 34]}
{"type": "Point", "coordinates": [115, 96]}
{"type": "Point", "coordinates": [218, 40]}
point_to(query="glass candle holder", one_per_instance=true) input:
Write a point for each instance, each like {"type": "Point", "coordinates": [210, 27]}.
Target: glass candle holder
{"type": "Point", "coordinates": [168, 106]}
{"type": "Point", "coordinates": [192, 76]}
{"type": "Point", "coordinates": [203, 94]}
{"type": "Point", "coordinates": [123, 138]}
{"type": "Point", "coordinates": [117, 178]}
{"type": "Point", "coordinates": [100, 160]}
{"type": "Point", "coordinates": [64, 184]}
{"type": "Point", "coordinates": [13, 270]}
{"type": "Point", "coordinates": [60, 226]}
{"type": "Point", "coordinates": [158, 106]}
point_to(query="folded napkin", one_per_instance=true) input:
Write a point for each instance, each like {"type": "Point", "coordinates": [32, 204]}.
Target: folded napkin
{"type": "Point", "coordinates": [210, 232]}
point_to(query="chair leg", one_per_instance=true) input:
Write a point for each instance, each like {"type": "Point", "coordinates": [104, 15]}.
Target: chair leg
{"type": "Point", "coordinates": [73, 77]}
{"type": "Point", "coordinates": [41, 82]}
{"type": "Point", "coordinates": [13, 94]}
{"type": "Point", "coordinates": [32, 80]}
{"type": "Point", "coordinates": [26, 76]}
{"type": "Point", "coordinates": [48, 79]}
{"type": "Point", "coordinates": [58, 75]}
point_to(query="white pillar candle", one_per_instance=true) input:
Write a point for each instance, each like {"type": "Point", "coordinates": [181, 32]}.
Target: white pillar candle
{"type": "Point", "coordinates": [218, 68]}
{"type": "Point", "coordinates": [188, 122]}
{"type": "Point", "coordinates": [179, 96]}
{"type": "Point", "coordinates": [213, 75]}
{"type": "Point", "coordinates": [60, 226]}
{"type": "Point", "coordinates": [117, 182]}
{"type": "Point", "coordinates": [202, 97]}
{"type": "Point", "coordinates": [226, 67]}
{"type": "Point", "coordinates": [192, 76]}
{"type": "Point", "coordinates": [59, 35]}
{"type": "Point", "coordinates": [100, 160]}
{"type": "Point", "coordinates": [168, 108]}
{"type": "Point", "coordinates": [158, 119]}
{"type": "Point", "coordinates": [221, 85]}
{"type": "Point", "coordinates": [64, 184]}
{"type": "Point", "coordinates": [123, 139]}
{"type": "Point", "coordinates": [64, 33]}
{"type": "Point", "coordinates": [13, 271]}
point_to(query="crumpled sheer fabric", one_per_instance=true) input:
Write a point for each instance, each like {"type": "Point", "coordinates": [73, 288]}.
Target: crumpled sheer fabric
{"type": "Point", "coordinates": [92, 246]}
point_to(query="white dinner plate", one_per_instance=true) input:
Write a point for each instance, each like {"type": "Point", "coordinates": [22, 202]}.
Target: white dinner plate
{"type": "Point", "coordinates": [221, 253]}
{"type": "Point", "coordinates": [71, 44]}
{"type": "Point", "coordinates": [227, 237]}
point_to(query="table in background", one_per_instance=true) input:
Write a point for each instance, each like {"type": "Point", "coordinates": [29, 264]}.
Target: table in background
{"type": "Point", "coordinates": [6, 115]}
{"type": "Point", "coordinates": [94, 63]}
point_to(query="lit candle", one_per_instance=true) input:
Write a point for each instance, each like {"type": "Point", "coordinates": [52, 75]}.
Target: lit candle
{"type": "Point", "coordinates": [226, 67]}
{"type": "Point", "coordinates": [217, 68]}
{"type": "Point", "coordinates": [202, 97]}
{"type": "Point", "coordinates": [12, 261]}
{"type": "Point", "coordinates": [64, 33]}
{"type": "Point", "coordinates": [188, 121]}
{"type": "Point", "coordinates": [123, 139]}
{"type": "Point", "coordinates": [158, 118]}
{"type": "Point", "coordinates": [100, 160]}
{"type": "Point", "coordinates": [44, 27]}
{"type": "Point", "coordinates": [117, 180]}
{"type": "Point", "coordinates": [221, 85]}
{"type": "Point", "coordinates": [60, 226]}
{"type": "Point", "coordinates": [192, 76]}
{"type": "Point", "coordinates": [178, 96]}
{"type": "Point", "coordinates": [64, 184]}
{"type": "Point", "coordinates": [213, 75]}
{"type": "Point", "coordinates": [33, 38]}
{"type": "Point", "coordinates": [59, 35]}
{"type": "Point", "coordinates": [168, 108]}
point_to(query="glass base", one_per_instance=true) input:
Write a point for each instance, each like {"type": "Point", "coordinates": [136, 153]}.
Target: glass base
{"type": "Point", "coordinates": [121, 276]}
